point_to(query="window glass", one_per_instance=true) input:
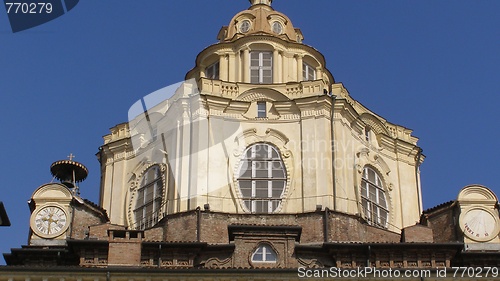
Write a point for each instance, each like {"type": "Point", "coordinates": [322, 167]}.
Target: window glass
{"type": "Point", "coordinates": [261, 67]}
{"type": "Point", "coordinates": [277, 27]}
{"type": "Point", "coordinates": [308, 72]}
{"type": "Point", "coordinates": [367, 134]}
{"type": "Point", "coordinates": [261, 109]}
{"type": "Point", "coordinates": [149, 197]}
{"type": "Point", "coordinates": [373, 198]}
{"type": "Point", "coordinates": [212, 72]}
{"type": "Point", "coordinates": [262, 178]}
{"type": "Point", "coordinates": [264, 253]}
{"type": "Point", "coordinates": [245, 26]}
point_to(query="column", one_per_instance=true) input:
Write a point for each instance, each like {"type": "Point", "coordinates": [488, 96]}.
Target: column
{"type": "Point", "coordinates": [223, 67]}
{"type": "Point", "coordinates": [299, 68]}
{"type": "Point", "coordinates": [202, 71]}
{"type": "Point", "coordinates": [232, 67]}
{"type": "Point", "coordinates": [285, 68]}
{"type": "Point", "coordinates": [276, 76]}
{"type": "Point", "coordinates": [319, 73]}
{"type": "Point", "coordinates": [246, 65]}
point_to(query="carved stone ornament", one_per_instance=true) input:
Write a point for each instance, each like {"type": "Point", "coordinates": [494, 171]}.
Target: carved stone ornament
{"type": "Point", "coordinates": [215, 263]}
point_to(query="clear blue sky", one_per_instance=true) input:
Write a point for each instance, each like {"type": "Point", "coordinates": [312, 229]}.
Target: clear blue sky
{"type": "Point", "coordinates": [432, 66]}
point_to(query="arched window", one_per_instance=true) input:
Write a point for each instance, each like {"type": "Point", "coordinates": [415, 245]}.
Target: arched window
{"type": "Point", "coordinates": [264, 253]}
{"type": "Point", "coordinates": [373, 198]}
{"type": "Point", "coordinates": [262, 178]}
{"type": "Point", "coordinates": [149, 197]}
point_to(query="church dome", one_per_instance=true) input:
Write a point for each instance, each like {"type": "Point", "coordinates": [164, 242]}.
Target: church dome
{"type": "Point", "coordinates": [261, 46]}
{"type": "Point", "coordinates": [260, 19]}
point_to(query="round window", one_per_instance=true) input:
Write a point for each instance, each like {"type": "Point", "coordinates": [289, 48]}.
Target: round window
{"type": "Point", "coordinates": [245, 26]}
{"type": "Point", "coordinates": [277, 27]}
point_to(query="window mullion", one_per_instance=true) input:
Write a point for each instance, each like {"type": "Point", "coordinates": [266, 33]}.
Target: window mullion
{"type": "Point", "coordinates": [261, 67]}
{"type": "Point", "coordinates": [254, 193]}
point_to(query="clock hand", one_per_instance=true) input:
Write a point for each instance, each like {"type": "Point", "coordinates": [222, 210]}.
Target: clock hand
{"type": "Point", "coordinates": [50, 222]}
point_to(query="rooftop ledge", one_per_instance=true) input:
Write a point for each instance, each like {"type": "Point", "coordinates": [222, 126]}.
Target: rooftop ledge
{"type": "Point", "coordinates": [292, 90]}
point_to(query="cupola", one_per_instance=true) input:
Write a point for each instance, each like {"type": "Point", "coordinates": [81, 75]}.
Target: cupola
{"type": "Point", "coordinates": [260, 19]}
{"type": "Point", "coordinates": [261, 46]}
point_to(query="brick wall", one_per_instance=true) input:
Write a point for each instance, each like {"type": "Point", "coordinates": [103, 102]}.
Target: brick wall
{"type": "Point", "coordinates": [82, 219]}
{"type": "Point", "coordinates": [348, 228]}
{"type": "Point", "coordinates": [124, 253]}
{"type": "Point", "coordinates": [181, 227]}
{"type": "Point", "coordinates": [124, 247]}
{"type": "Point", "coordinates": [154, 234]}
{"type": "Point", "coordinates": [213, 227]}
{"type": "Point", "coordinates": [100, 231]}
{"type": "Point", "coordinates": [443, 226]}
{"type": "Point", "coordinates": [417, 233]}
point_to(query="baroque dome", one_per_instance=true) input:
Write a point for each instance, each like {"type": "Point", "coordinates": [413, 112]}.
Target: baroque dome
{"type": "Point", "coordinates": [260, 19]}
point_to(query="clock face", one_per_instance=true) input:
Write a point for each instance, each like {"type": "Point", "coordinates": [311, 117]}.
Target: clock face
{"type": "Point", "coordinates": [479, 224]}
{"type": "Point", "coordinates": [50, 222]}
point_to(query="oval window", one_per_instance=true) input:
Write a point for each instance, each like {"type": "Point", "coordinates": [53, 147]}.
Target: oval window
{"type": "Point", "coordinates": [261, 178]}
{"type": "Point", "coordinates": [149, 196]}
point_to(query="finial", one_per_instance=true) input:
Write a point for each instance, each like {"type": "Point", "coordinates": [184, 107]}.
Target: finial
{"type": "Point", "coordinates": [69, 172]}
{"type": "Point", "coordinates": [265, 2]}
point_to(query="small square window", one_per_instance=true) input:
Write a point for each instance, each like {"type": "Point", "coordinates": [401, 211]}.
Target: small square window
{"type": "Point", "coordinates": [308, 72]}
{"type": "Point", "coordinates": [261, 109]}
{"type": "Point", "coordinates": [212, 72]}
{"type": "Point", "coordinates": [367, 134]}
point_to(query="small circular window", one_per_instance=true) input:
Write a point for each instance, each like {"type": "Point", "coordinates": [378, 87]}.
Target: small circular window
{"type": "Point", "coordinates": [277, 27]}
{"type": "Point", "coordinates": [245, 26]}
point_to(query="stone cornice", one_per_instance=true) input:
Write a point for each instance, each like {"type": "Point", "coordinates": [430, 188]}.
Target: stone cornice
{"type": "Point", "coordinates": [313, 107]}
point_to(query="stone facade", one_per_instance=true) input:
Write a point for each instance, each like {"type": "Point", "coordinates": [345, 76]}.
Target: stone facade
{"type": "Point", "coordinates": [198, 131]}
{"type": "Point", "coordinates": [258, 166]}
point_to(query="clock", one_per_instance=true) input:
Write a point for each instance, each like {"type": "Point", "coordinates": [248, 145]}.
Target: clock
{"type": "Point", "coordinates": [49, 221]}
{"type": "Point", "coordinates": [479, 224]}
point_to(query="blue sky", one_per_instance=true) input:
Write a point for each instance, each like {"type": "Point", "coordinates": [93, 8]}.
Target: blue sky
{"type": "Point", "coordinates": [432, 66]}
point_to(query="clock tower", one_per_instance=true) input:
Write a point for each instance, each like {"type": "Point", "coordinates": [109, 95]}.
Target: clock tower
{"type": "Point", "coordinates": [51, 204]}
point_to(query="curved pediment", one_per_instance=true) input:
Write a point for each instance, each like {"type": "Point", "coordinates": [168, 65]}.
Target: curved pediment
{"type": "Point", "coordinates": [52, 191]}
{"type": "Point", "coordinates": [375, 124]}
{"type": "Point", "coordinates": [477, 194]}
{"type": "Point", "coordinates": [262, 94]}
